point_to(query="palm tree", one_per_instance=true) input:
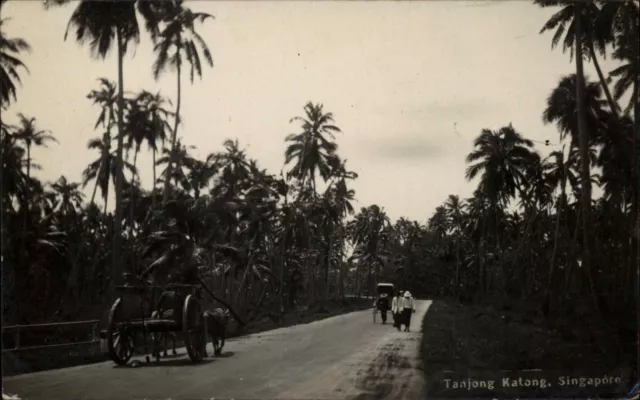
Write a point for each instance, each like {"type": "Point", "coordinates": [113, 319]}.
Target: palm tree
{"type": "Point", "coordinates": [582, 15]}
{"type": "Point", "coordinates": [10, 50]}
{"type": "Point", "coordinates": [311, 149]}
{"type": "Point", "coordinates": [455, 209]}
{"type": "Point", "coordinates": [103, 169]}
{"type": "Point", "coordinates": [561, 109]}
{"type": "Point", "coordinates": [69, 196]}
{"type": "Point", "coordinates": [106, 97]}
{"type": "Point", "coordinates": [501, 157]}
{"type": "Point", "coordinates": [105, 24]}
{"type": "Point", "coordinates": [28, 133]}
{"type": "Point", "coordinates": [147, 122]}
{"type": "Point", "coordinates": [618, 20]}
{"type": "Point", "coordinates": [14, 181]}
{"type": "Point", "coordinates": [179, 41]}
{"type": "Point", "coordinates": [182, 160]}
{"type": "Point", "coordinates": [578, 14]}
{"type": "Point", "coordinates": [200, 174]}
{"type": "Point", "coordinates": [370, 229]}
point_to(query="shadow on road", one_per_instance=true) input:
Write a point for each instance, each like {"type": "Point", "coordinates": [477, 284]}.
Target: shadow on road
{"type": "Point", "coordinates": [182, 362]}
{"type": "Point", "coordinates": [226, 354]}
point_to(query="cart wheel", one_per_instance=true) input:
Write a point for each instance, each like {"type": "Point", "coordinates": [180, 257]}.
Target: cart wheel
{"type": "Point", "coordinates": [375, 315]}
{"type": "Point", "coordinates": [194, 329]}
{"type": "Point", "coordinates": [120, 341]}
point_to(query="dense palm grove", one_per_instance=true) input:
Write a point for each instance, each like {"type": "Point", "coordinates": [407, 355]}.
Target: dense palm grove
{"type": "Point", "coordinates": [532, 231]}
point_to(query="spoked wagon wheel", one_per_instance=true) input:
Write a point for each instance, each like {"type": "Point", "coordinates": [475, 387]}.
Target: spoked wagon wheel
{"type": "Point", "coordinates": [120, 341]}
{"type": "Point", "coordinates": [194, 329]}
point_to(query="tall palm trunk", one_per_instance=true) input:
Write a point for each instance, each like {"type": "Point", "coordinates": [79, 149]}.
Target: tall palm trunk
{"type": "Point", "coordinates": [583, 135]}
{"type": "Point", "coordinates": [20, 276]}
{"type": "Point", "coordinates": [153, 190]}
{"type": "Point", "coordinates": [174, 137]}
{"type": "Point", "coordinates": [636, 125]}
{"type": "Point", "coordinates": [103, 156]}
{"type": "Point", "coordinates": [132, 197]}
{"type": "Point", "coordinates": [117, 228]}
{"type": "Point", "coordinates": [327, 266]}
{"type": "Point", "coordinates": [603, 82]}
{"type": "Point", "coordinates": [28, 160]}
{"type": "Point", "coordinates": [95, 186]}
{"type": "Point", "coordinates": [106, 197]}
{"type": "Point", "coordinates": [559, 212]}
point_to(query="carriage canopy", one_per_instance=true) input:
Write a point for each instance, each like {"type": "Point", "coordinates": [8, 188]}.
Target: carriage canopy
{"type": "Point", "coordinates": [387, 288]}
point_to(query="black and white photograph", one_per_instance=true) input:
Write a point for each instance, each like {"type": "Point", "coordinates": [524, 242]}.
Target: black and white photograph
{"type": "Point", "coordinates": [315, 199]}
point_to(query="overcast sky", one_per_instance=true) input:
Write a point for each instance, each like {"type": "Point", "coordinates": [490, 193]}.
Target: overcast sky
{"type": "Point", "coordinates": [396, 75]}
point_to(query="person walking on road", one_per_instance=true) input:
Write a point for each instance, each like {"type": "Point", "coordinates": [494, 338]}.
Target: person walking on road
{"type": "Point", "coordinates": [407, 310]}
{"type": "Point", "coordinates": [395, 309]}
{"type": "Point", "coordinates": [383, 307]}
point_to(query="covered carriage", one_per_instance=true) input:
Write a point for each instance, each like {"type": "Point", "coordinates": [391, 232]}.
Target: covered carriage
{"type": "Point", "coordinates": [145, 312]}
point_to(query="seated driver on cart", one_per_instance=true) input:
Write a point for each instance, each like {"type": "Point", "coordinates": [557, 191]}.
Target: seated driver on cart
{"type": "Point", "coordinates": [383, 306]}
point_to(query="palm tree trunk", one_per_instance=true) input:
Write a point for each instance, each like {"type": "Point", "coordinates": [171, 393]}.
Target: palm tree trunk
{"type": "Point", "coordinates": [456, 291]}
{"type": "Point", "coordinates": [23, 269]}
{"type": "Point", "coordinates": [95, 187]}
{"type": "Point", "coordinates": [117, 229]}
{"type": "Point", "coordinates": [559, 210]}
{"type": "Point", "coordinates": [636, 125]}
{"type": "Point", "coordinates": [106, 198]}
{"type": "Point", "coordinates": [584, 155]}
{"type": "Point", "coordinates": [603, 82]}
{"type": "Point", "coordinates": [153, 190]}
{"type": "Point", "coordinates": [167, 183]}
{"type": "Point", "coordinates": [28, 160]}
{"type": "Point", "coordinates": [132, 196]}
{"type": "Point", "coordinates": [572, 254]}
{"type": "Point", "coordinates": [328, 264]}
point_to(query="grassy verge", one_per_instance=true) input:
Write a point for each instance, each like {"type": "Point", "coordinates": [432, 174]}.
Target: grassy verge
{"type": "Point", "coordinates": [42, 360]}
{"type": "Point", "coordinates": [464, 338]}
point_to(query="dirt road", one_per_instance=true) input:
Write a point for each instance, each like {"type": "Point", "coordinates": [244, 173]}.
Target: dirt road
{"type": "Point", "coordinates": [344, 357]}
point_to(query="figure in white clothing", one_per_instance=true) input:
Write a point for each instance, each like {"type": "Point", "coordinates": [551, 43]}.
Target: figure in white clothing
{"type": "Point", "coordinates": [396, 309]}
{"type": "Point", "coordinates": [407, 310]}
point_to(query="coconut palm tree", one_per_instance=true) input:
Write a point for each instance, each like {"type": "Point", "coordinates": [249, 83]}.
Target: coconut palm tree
{"type": "Point", "coordinates": [28, 133]}
{"type": "Point", "coordinates": [10, 51]}
{"type": "Point", "coordinates": [69, 196]}
{"type": "Point", "coordinates": [499, 157]}
{"type": "Point", "coordinates": [14, 181]}
{"type": "Point", "coordinates": [200, 173]}
{"type": "Point", "coordinates": [147, 121]}
{"type": "Point", "coordinates": [455, 212]}
{"type": "Point", "coordinates": [313, 148]}
{"type": "Point", "coordinates": [584, 30]}
{"type": "Point", "coordinates": [578, 15]}
{"type": "Point", "coordinates": [182, 158]}
{"type": "Point", "coordinates": [103, 168]}
{"type": "Point", "coordinates": [178, 41]}
{"type": "Point", "coordinates": [108, 24]}
{"type": "Point", "coordinates": [105, 97]}
{"type": "Point", "coordinates": [618, 20]}
{"type": "Point", "coordinates": [561, 109]}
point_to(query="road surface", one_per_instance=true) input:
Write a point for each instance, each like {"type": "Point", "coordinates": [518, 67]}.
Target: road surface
{"type": "Point", "coordinates": [343, 357]}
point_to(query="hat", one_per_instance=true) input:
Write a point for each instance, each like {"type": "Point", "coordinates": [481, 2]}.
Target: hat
{"type": "Point", "coordinates": [407, 294]}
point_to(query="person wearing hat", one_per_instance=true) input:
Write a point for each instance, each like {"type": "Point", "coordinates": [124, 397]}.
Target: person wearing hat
{"type": "Point", "coordinates": [407, 310]}
{"type": "Point", "coordinates": [396, 309]}
{"type": "Point", "coordinates": [383, 307]}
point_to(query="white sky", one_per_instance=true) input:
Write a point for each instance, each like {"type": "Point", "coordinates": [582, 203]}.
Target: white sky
{"type": "Point", "coordinates": [396, 75]}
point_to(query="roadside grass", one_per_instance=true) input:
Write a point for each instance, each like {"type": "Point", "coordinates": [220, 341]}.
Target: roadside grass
{"type": "Point", "coordinates": [457, 337]}
{"type": "Point", "coordinates": [41, 360]}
